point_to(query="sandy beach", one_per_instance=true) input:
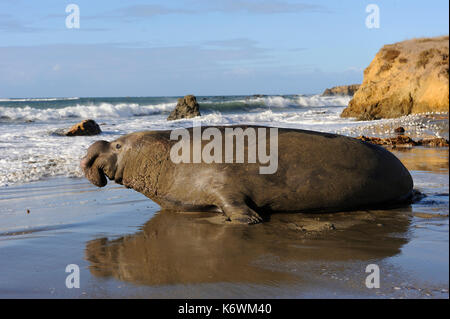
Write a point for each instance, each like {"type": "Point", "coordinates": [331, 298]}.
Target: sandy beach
{"type": "Point", "coordinates": [126, 247]}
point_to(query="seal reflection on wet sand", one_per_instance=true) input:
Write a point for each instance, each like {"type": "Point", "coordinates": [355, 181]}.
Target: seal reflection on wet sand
{"type": "Point", "coordinates": [189, 248]}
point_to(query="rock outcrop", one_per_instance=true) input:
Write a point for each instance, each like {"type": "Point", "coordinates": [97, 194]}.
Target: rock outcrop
{"type": "Point", "coordinates": [187, 107]}
{"type": "Point", "coordinates": [84, 128]}
{"type": "Point", "coordinates": [405, 141]}
{"type": "Point", "coordinates": [342, 90]}
{"type": "Point", "coordinates": [408, 77]}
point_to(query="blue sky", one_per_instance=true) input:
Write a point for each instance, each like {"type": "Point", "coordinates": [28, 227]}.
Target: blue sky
{"type": "Point", "coordinates": [203, 47]}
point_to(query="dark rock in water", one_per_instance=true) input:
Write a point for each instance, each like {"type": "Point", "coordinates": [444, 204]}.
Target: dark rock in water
{"type": "Point", "coordinates": [255, 96]}
{"type": "Point", "coordinates": [399, 130]}
{"type": "Point", "coordinates": [187, 107]}
{"type": "Point", "coordinates": [342, 90]}
{"type": "Point", "coordinates": [84, 128]}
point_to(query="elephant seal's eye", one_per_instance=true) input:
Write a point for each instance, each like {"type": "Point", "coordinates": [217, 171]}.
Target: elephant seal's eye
{"type": "Point", "coordinates": [118, 146]}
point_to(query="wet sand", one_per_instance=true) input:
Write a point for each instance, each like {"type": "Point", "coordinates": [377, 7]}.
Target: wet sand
{"type": "Point", "coordinates": [126, 247]}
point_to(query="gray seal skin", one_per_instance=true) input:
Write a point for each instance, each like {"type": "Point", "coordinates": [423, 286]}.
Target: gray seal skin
{"type": "Point", "coordinates": [317, 172]}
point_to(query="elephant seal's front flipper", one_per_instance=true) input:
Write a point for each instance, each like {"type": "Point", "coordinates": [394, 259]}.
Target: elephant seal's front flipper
{"type": "Point", "coordinates": [238, 212]}
{"type": "Point", "coordinates": [242, 215]}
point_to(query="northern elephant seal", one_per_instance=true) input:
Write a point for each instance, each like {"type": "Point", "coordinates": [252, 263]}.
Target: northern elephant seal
{"type": "Point", "coordinates": [317, 172]}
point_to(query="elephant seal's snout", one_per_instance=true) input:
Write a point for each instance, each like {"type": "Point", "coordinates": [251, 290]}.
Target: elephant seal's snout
{"type": "Point", "coordinates": [83, 163]}
{"type": "Point", "coordinates": [94, 162]}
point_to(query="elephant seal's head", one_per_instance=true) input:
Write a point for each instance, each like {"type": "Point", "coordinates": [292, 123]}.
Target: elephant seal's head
{"type": "Point", "coordinates": [134, 160]}
{"type": "Point", "coordinates": [105, 159]}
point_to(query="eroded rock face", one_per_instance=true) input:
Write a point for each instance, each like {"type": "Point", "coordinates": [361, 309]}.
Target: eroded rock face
{"type": "Point", "coordinates": [187, 107]}
{"type": "Point", "coordinates": [342, 90]}
{"type": "Point", "coordinates": [404, 78]}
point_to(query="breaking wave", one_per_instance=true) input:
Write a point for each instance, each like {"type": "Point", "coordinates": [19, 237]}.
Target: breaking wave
{"type": "Point", "coordinates": [104, 110]}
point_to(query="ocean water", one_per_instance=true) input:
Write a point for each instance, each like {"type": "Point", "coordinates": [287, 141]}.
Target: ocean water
{"type": "Point", "coordinates": [30, 151]}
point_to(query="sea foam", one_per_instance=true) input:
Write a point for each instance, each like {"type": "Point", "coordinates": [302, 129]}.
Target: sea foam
{"type": "Point", "coordinates": [103, 110]}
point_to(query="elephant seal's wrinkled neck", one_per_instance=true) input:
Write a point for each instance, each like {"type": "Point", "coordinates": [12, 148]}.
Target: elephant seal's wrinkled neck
{"type": "Point", "coordinates": [143, 164]}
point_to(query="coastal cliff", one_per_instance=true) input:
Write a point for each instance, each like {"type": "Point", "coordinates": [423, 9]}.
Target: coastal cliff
{"type": "Point", "coordinates": [342, 90]}
{"type": "Point", "coordinates": [404, 78]}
